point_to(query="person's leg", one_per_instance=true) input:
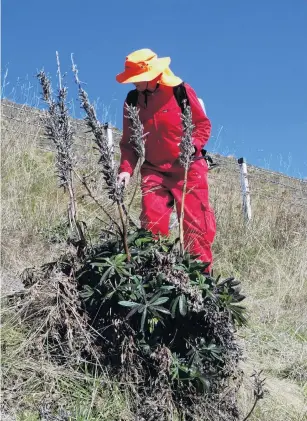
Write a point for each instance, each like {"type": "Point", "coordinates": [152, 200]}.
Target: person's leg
{"type": "Point", "coordinates": [157, 202]}
{"type": "Point", "coordinates": [199, 221]}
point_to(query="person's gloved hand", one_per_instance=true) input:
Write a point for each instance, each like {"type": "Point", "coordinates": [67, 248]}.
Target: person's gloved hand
{"type": "Point", "coordinates": [123, 178]}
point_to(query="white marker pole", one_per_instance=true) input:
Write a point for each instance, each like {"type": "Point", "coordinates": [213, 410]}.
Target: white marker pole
{"type": "Point", "coordinates": [109, 134]}
{"type": "Point", "coordinates": [247, 210]}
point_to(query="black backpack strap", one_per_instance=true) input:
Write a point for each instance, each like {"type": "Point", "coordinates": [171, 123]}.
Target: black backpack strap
{"type": "Point", "coordinates": [132, 97]}
{"type": "Point", "coordinates": [181, 96]}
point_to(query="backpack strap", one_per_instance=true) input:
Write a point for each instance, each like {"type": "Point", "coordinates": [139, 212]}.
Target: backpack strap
{"type": "Point", "coordinates": [132, 97]}
{"type": "Point", "coordinates": [179, 91]}
{"type": "Point", "coordinates": [181, 96]}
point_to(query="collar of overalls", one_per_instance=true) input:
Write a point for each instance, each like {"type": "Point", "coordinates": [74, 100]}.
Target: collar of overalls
{"type": "Point", "coordinates": [147, 92]}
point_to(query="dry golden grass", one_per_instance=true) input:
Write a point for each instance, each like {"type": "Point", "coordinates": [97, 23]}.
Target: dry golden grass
{"type": "Point", "coordinates": [268, 256]}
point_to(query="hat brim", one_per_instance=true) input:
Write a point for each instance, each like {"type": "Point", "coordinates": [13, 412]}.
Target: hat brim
{"type": "Point", "coordinates": [169, 79]}
{"type": "Point", "coordinates": [129, 77]}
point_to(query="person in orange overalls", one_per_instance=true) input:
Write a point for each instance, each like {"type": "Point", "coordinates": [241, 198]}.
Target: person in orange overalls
{"type": "Point", "coordinates": [162, 175]}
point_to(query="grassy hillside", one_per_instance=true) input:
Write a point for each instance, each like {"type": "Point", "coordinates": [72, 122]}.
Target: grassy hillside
{"type": "Point", "coordinates": [268, 255]}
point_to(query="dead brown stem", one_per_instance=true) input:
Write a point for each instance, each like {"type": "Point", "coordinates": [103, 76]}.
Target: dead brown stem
{"type": "Point", "coordinates": [124, 232]}
{"type": "Point", "coordinates": [181, 231]}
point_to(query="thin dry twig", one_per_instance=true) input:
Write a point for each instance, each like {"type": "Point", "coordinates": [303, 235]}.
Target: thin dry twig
{"type": "Point", "coordinates": [258, 391]}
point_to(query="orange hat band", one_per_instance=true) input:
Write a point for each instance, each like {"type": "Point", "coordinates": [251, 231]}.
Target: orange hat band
{"type": "Point", "coordinates": [136, 68]}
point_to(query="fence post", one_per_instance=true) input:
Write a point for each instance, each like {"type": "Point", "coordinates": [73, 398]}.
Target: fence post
{"type": "Point", "coordinates": [109, 134]}
{"type": "Point", "coordinates": [247, 211]}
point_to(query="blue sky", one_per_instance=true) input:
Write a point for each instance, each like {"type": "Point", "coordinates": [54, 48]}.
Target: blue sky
{"type": "Point", "coordinates": [245, 58]}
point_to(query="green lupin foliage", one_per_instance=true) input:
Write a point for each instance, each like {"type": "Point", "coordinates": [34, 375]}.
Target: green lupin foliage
{"type": "Point", "coordinates": [179, 323]}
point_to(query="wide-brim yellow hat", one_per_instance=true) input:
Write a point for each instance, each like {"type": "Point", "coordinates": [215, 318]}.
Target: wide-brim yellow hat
{"type": "Point", "coordinates": [144, 66]}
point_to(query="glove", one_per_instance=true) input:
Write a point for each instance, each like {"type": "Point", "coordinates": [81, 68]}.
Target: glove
{"type": "Point", "coordinates": [123, 178]}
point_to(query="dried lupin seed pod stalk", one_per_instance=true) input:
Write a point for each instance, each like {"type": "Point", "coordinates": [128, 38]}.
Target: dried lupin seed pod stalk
{"type": "Point", "coordinates": [137, 139]}
{"type": "Point", "coordinates": [106, 155]}
{"type": "Point", "coordinates": [59, 131]}
{"type": "Point", "coordinates": [137, 135]}
{"type": "Point", "coordinates": [186, 157]}
{"type": "Point", "coordinates": [106, 152]}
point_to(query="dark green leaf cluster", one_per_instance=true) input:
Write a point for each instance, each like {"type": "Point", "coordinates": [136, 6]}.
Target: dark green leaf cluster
{"type": "Point", "coordinates": [161, 310]}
